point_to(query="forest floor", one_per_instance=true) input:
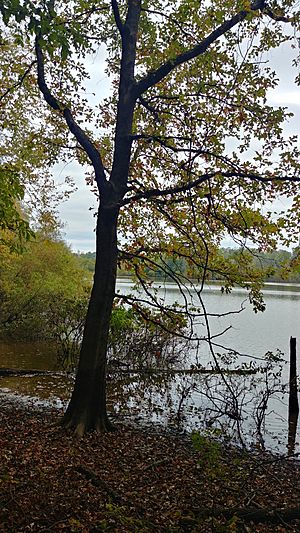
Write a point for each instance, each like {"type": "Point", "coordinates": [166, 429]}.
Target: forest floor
{"type": "Point", "coordinates": [136, 480]}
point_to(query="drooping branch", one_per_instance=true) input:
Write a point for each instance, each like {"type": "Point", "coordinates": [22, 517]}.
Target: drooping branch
{"type": "Point", "coordinates": [140, 304]}
{"type": "Point", "coordinates": [74, 128]}
{"type": "Point", "coordinates": [154, 77]}
{"type": "Point", "coordinates": [182, 281]}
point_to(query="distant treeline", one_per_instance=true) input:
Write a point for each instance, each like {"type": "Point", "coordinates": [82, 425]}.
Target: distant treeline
{"type": "Point", "coordinates": [279, 266]}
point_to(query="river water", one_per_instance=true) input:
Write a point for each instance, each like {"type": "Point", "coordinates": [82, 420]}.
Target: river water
{"type": "Point", "coordinates": [188, 401]}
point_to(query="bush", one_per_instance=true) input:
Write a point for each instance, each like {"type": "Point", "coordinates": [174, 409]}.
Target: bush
{"type": "Point", "coordinates": [139, 342]}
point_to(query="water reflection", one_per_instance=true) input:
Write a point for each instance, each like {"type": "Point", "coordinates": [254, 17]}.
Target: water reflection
{"type": "Point", "coordinates": [186, 401]}
{"type": "Point", "coordinates": [53, 388]}
{"type": "Point", "coordinates": [251, 334]}
{"type": "Point", "coordinates": [292, 433]}
{"type": "Point", "coordinates": [189, 402]}
{"type": "Point", "coordinates": [181, 402]}
{"type": "Point", "coordinates": [27, 355]}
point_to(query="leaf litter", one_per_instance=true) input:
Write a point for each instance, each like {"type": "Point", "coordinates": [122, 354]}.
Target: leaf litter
{"type": "Point", "coordinates": [136, 480]}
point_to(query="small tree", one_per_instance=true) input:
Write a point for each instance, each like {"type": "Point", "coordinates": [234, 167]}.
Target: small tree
{"type": "Point", "coordinates": [187, 79]}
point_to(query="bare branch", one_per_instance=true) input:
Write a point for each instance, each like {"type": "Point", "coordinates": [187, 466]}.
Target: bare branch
{"type": "Point", "coordinates": [74, 128]}
{"type": "Point", "coordinates": [152, 78]}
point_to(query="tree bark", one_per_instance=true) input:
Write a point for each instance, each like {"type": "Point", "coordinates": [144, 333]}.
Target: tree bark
{"type": "Point", "coordinates": [87, 408]}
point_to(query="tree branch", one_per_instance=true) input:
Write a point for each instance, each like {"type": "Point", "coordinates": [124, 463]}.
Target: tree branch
{"type": "Point", "coordinates": [270, 515]}
{"type": "Point", "coordinates": [149, 108]}
{"type": "Point", "coordinates": [206, 177]}
{"type": "Point", "coordinates": [116, 12]}
{"type": "Point", "coordinates": [170, 18]}
{"type": "Point", "coordinates": [19, 82]}
{"type": "Point", "coordinates": [74, 128]}
{"type": "Point", "coordinates": [278, 18]}
{"type": "Point", "coordinates": [169, 191]}
{"type": "Point", "coordinates": [152, 78]}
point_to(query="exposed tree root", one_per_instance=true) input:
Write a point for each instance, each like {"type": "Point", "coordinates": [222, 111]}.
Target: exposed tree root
{"type": "Point", "coordinates": [82, 424]}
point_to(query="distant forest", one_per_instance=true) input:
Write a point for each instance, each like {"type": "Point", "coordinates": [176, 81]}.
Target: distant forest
{"type": "Point", "coordinates": [280, 266]}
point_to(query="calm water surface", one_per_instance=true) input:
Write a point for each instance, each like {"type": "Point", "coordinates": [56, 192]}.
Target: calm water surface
{"type": "Point", "coordinates": [181, 401]}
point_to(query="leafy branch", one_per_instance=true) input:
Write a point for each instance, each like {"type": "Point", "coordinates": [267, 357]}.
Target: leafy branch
{"type": "Point", "coordinates": [151, 193]}
{"type": "Point", "coordinates": [74, 128]}
{"type": "Point", "coordinates": [18, 83]}
{"type": "Point", "coordinates": [154, 77]}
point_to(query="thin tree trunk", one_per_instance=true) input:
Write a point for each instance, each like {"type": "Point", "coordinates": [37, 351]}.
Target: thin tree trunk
{"type": "Point", "coordinates": [87, 408]}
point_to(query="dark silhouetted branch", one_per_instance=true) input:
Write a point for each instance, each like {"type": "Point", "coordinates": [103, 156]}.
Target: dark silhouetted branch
{"type": "Point", "coordinates": [154, 77]}
{"type": "Point", "coordinates": [19, 82]}
{"type": "Point", "coordinates": [151, 193]}
{"type": "Point", "coordinates": [119, 23]}
{"type": "Point", "coordinates": [74, 128]}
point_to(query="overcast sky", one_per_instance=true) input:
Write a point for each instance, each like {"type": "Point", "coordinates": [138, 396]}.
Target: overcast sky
{"type": "Point", "coordinates": [76, 213]}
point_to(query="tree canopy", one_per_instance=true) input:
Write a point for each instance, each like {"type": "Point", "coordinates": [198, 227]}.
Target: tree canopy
{"type": "Point", "coordinates": [185, 151]}
{"type": "Point", "coordinates": [207, 149]}
{"type": "Point", "coordinates": [14, 230]}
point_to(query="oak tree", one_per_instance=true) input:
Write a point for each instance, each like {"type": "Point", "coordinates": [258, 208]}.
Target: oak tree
{"type": "Point", "coordinates": [184, 152]}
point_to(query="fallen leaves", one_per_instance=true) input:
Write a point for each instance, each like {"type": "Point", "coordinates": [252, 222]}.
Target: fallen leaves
{"type": "Point", "coordinates": [133, 480]}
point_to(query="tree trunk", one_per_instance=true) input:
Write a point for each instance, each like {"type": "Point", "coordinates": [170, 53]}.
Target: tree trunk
{"type": "Point", "coordinates": [87, 408]}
